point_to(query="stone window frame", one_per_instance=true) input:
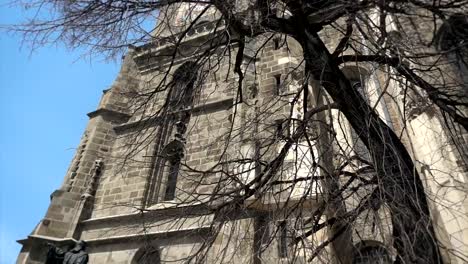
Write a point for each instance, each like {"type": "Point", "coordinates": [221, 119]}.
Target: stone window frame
{"type": "Point", "coordinates": [278, 84]}
{"type": "Point", "coordinates": [170, 150]}
{"type": "Point", "coordinates": [185, 75]}
{"type": "Point", "coordinates": [276, 43]}
{"type": "Point", "coordinates": [172, 155]}
{"type": "Point", "coordinates": [170, 174]}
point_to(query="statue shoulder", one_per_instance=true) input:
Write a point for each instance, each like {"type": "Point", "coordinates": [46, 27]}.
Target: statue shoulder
{"type": "Point", "coordinates": [82, 258]}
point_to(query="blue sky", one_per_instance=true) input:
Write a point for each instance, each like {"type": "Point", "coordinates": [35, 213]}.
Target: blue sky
{"type": "Point", "coordinates": [44, 98]}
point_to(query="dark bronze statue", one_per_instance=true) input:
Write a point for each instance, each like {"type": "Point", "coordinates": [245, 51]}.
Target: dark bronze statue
{"type": "Point", "coordinates": [77, 255]}
{"type": "Point", "coordinates": [54, 255]}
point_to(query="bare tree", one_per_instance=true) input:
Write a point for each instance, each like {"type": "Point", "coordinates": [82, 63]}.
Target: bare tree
{"type": "Point", "coordinates": [357, 156]}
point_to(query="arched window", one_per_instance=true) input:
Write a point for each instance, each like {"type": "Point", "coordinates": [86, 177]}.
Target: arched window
{"type": "Point", "coordinates": [169, 145]}
{"type": "Point", "coordinates": [371, 252]}
{"type": "Point", "coordinates": [147, 255]}
{"type": "Point", "coordinates": [182, 86]}
{"type": "Point", "coordinates": [173, 154]}
{"type": "Point", "coordinates": [171, 179]}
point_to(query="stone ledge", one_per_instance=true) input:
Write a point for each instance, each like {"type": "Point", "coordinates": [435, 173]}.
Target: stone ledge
{"type": "Point", "coordinates": [204, 107]}
{"type": "Point", "coordinates": [203, 230]}
{"type": "Point", "coordinates": [162, 211]}
{"type": "Point", "coordinates": [161, 51]}
{"type": "Point", "coordinates": [60, 242]}
{"type": "Point", "coordinates": [155, 212]}
{"type": "Point", "coordinates": [110, 114]}
{"type": "Point", "coordinates": [56, 240]}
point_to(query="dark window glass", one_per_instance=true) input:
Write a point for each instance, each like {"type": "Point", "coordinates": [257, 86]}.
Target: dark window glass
{"type": "Point", "coordinates": [278, 84]}
{"type": "Point", "coordinates": [261, 237]}
{"type": "Point", "coordinates": [276, 43]}
{"type": "Point", "coordinates": [171, 183]}
{"type": "Point", "coordinates": [182, 86]}
{"type": "Point", "coordinates": [283, 240]}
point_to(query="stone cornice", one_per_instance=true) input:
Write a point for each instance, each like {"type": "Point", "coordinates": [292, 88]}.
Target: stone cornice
{"type": "Point", "coordinates": [183, 233]}
{"type": "Point", "coordinates": [161, 51]}
{"type": "Point", "coordinates": [110, 114]}
{"type": "Point", "coordinates": [55, 240]}
{"type": "Point", "coordinates": [155, 213]}
{"type": "Point", "coordinates": [200, 108]}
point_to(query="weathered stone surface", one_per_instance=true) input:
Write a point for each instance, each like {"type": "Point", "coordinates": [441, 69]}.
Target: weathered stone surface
{"type": "Point", "coordinates": [119, 221]}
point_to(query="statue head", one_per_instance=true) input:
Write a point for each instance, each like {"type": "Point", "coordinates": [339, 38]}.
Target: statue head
{"type": "Point", "coordinates": [80, 245]}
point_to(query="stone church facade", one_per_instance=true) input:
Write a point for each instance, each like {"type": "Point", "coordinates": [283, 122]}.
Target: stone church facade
{"type": "Point", "coordinates": [154, 165]}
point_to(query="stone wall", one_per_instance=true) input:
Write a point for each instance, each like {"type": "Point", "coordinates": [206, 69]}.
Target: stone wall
{"type": "Point", "coordinates": [111, 208]}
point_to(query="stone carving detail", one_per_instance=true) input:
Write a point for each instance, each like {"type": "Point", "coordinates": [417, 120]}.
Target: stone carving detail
{"type": "Point", "coordinates": [76, 163]}
{"type": "Point", "coordinates": [252, 92]}
{"type": "Point", "coordinates": [416, 105]}
{"type": "Point", "coordinates": [181, 126]}
{"type": "Point", "coordinates": [77, 255]}
{"type": "Point", "coordinates": [92, 185]}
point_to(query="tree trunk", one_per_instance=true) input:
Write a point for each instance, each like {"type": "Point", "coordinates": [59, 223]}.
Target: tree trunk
{"type": "Point", "coordinates": [401, 188]}
{"type": "Point", "coordinates": [342, 245]}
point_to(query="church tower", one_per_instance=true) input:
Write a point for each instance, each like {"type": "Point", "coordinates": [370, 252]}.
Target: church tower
{"type": "Point", "coordinates": [170, 167]}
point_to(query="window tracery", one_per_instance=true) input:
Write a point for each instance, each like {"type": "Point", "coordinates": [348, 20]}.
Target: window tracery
{"type": "Point", "coordinates": [169, 150]}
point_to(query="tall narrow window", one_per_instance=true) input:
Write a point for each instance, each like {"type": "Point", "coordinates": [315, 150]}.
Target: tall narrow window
{"type": "Point", "coordinates": [170, 140]}
{"type": "Point", "coordinates": [261, 237]}
{"type": "Point", "coordinates": [282, 130]}
{"type": "Point", "coordinates": [276, 43]}
{"type": "Point", "coordinates": [171, 182]}
{"type": "Point", "coordinates": [283, 240]}
{"type": "Point", "coordinates": [173, 154]}
{"type": "Point", "coordinates": [278, 84]}
{"type": "Point", "coordinates": [182, 86]}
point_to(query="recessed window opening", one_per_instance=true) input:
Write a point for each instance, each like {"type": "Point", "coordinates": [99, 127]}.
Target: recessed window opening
{"type": "Point", "coordinates": [276, 43]}
{"type": "Point", "coordinates": [183, 86]}
{"type": "Point", "coordinates": [278, 84]}
{"type": "Point", "coordinates": [174, 166]}
{"type": "Point", "coordinates": [279, 133]}
{"type": "Point", "coordinates": [283, 240]}
{"type": "Point", "coordinates": [168, 150]}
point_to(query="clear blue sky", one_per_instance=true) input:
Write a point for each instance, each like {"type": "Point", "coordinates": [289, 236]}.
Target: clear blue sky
{"type": "Point", "coordinates": [44, 99]}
